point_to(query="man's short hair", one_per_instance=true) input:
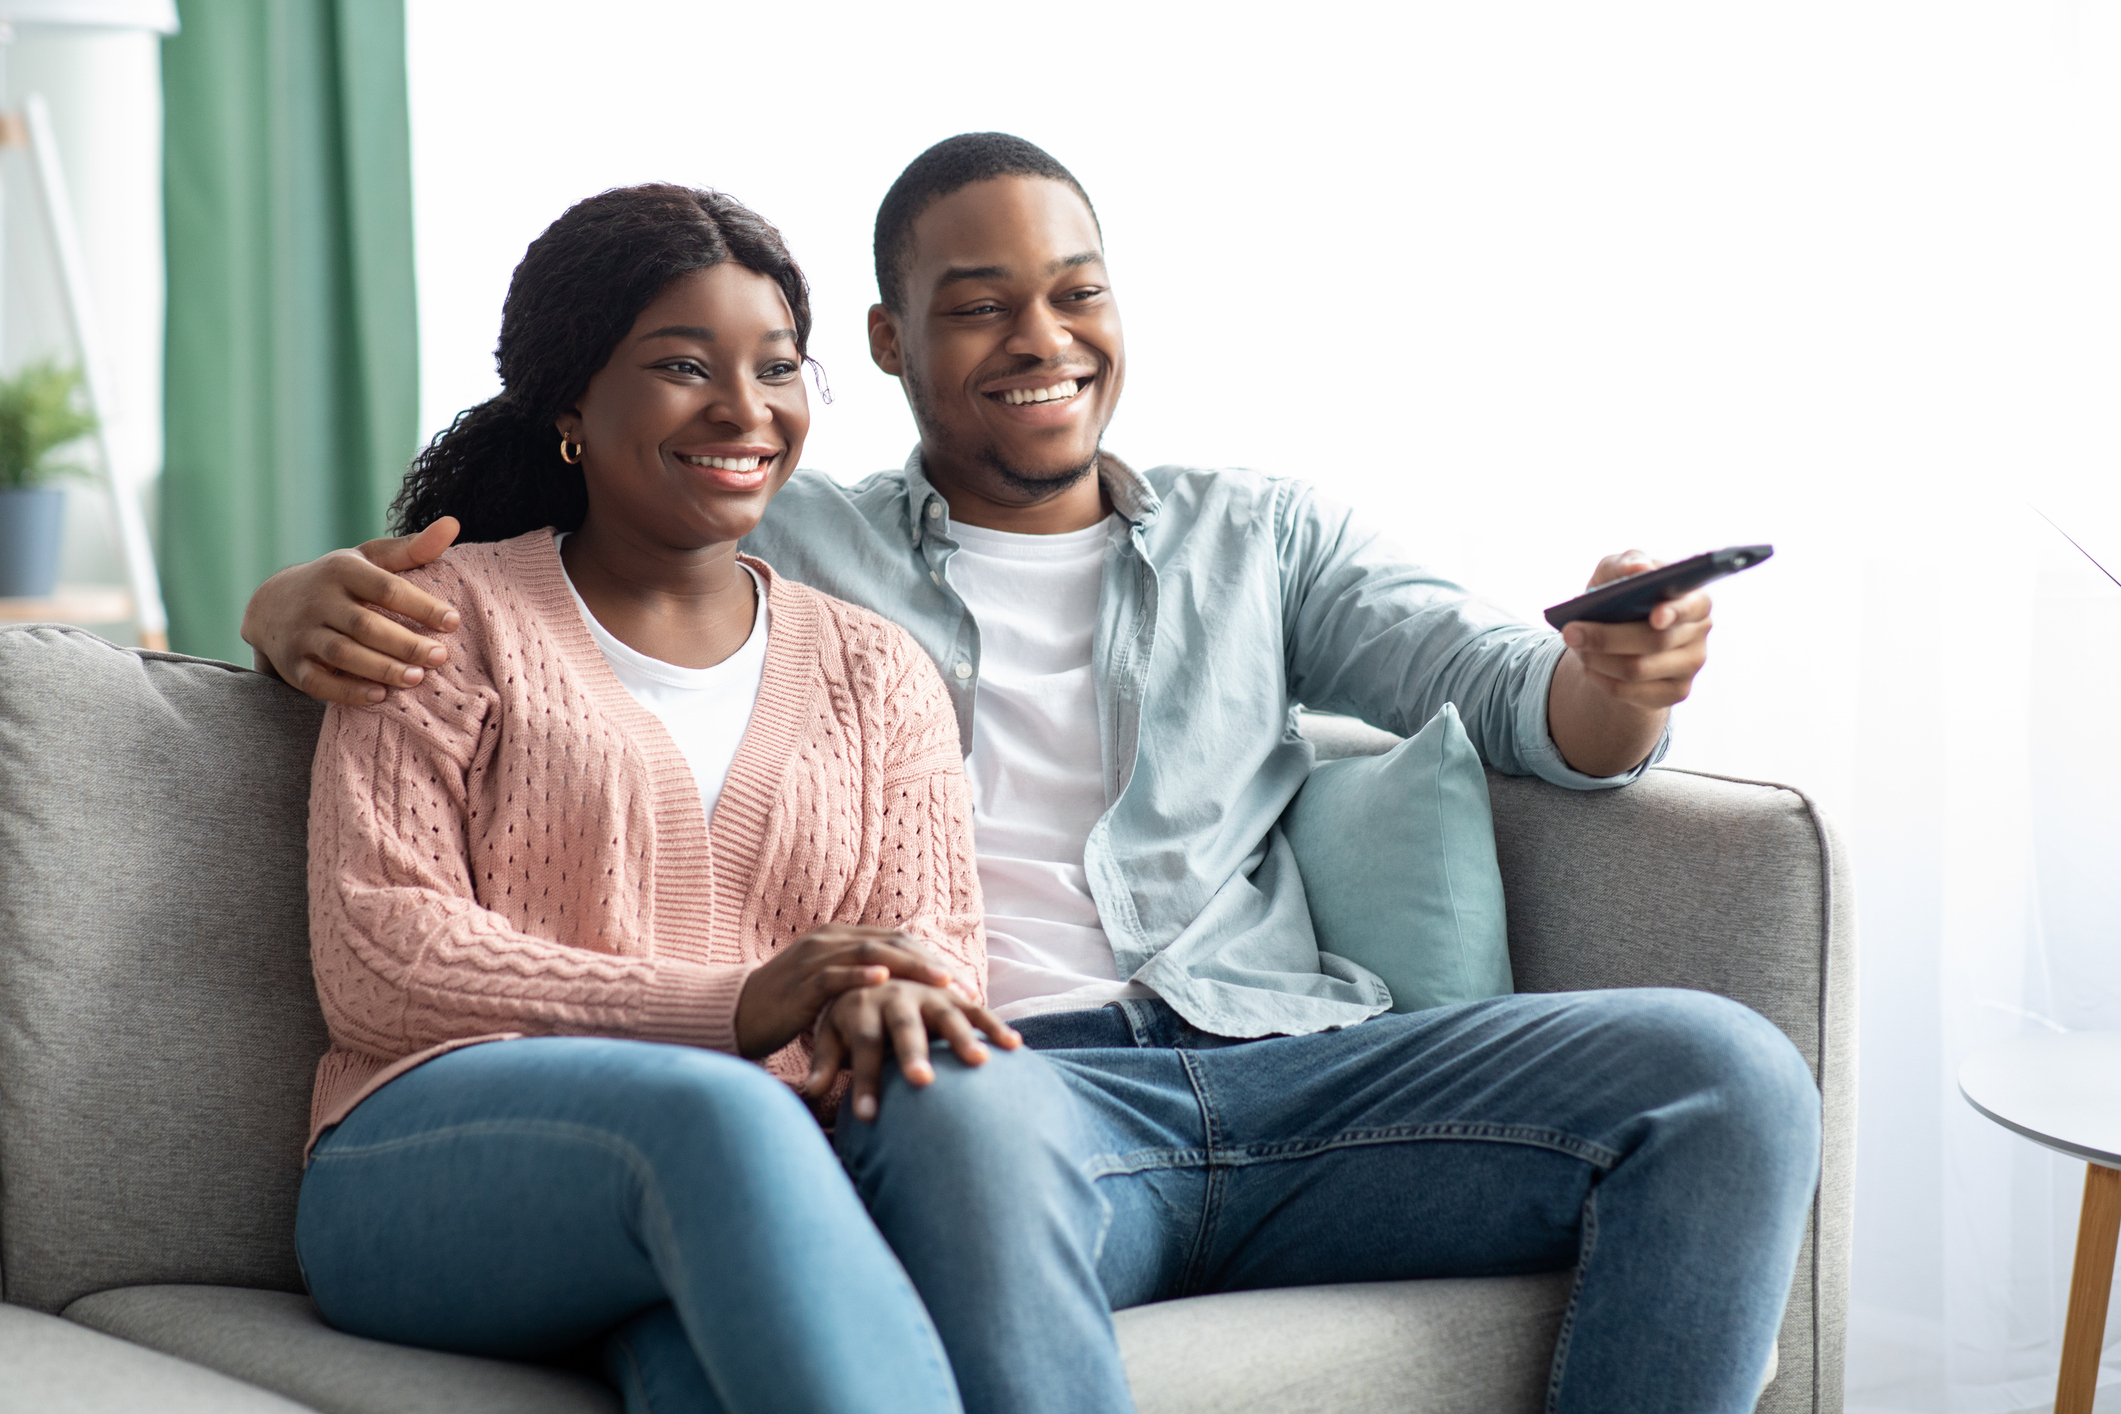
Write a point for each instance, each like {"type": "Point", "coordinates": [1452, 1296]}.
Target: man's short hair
{"type": "Point", "coordinates": [950, 165]}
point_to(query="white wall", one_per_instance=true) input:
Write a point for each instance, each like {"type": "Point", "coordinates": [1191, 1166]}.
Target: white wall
{"type": "Point", "coordinates": [1531, 282]}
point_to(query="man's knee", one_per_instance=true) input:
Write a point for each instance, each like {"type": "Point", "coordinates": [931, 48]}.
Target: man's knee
{"type": "Point", "coordinates": [1732, 1070]}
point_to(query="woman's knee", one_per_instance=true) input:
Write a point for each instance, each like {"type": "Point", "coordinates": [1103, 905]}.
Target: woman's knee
{"type": "Point", "coordinates": [969, 1115]}
{"type": "Point", "coordinates": [718, 1097]}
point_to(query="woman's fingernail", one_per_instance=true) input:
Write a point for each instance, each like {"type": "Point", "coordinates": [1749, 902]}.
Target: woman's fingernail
{"type": "Point", "coordinates": [413, 675]}
{"type": "Point", "coordinates": [376, 694]}
{"type": "Point", "coordinates": [437, 653]}
{"type": "Point", "coordinates": [449, 620]}
{"type": "Point", "coordinates": [865, 1108]}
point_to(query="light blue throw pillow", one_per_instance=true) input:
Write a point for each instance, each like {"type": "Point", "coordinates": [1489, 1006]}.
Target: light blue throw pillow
{"type": "Point", "coordinates": [1397, 854]}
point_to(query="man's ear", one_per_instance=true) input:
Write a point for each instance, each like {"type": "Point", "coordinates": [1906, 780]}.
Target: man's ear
{"type": "Point", "coordinates": [883, 341]}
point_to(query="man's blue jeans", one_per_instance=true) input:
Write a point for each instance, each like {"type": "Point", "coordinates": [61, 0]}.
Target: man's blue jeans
{"type": "Point", "coordinates": [677, 1207]}
{"type": "Point", "coordinates": [1664, 1144]}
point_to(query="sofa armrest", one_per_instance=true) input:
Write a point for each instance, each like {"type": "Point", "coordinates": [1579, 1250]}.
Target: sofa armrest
{"type": "Point", "coordinates": [1727, 886]}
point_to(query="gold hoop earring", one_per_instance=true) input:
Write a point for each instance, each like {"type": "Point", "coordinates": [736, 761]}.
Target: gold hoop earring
{"type": "Point", "coordinates": [574, 460]}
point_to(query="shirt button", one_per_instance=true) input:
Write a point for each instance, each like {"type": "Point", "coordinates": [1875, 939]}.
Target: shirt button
{"type": "Point", "coordinates": [935, 510]}
{"type": "Point", "coordinates": [963, 671]}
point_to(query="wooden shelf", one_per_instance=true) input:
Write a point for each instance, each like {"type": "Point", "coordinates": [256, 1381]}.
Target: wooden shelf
{"type": "Point", "coordinates": [72, 604]}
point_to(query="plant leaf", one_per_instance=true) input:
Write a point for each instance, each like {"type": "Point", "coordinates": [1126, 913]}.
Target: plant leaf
{"type": "Point", "coordinates": [41, 411]}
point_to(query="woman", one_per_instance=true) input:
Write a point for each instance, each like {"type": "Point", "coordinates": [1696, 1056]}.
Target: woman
{"type": "Point", "coordinates": [656, 812]}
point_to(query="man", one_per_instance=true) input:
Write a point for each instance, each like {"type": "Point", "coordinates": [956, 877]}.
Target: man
{"type": "Point", "coordinates": [1208, 1102]}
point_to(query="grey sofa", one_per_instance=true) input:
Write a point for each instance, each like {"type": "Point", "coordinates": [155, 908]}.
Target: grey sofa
{"type": "Point", "coordinates": [158, 1030]}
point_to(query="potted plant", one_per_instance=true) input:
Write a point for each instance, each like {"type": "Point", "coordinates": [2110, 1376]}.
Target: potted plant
{"type": "Point", "coordinates": [40, 415]}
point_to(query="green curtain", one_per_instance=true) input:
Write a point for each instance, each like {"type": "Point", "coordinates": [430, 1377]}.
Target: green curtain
{"type": "Point", "coordinates": [292, 390]}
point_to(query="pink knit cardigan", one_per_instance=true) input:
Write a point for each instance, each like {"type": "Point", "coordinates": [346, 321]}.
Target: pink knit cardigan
{"type": "Point", "coordinates": [516, 847]}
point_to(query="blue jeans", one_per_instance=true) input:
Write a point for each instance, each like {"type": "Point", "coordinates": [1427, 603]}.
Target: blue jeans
{"type": "Point", "coordinates": [677, 1211]}
{"type": "Point", "coordinates": [1663, 1144]}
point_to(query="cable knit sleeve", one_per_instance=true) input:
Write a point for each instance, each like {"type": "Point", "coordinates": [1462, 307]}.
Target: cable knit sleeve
{"type": "Point", "coordinates": [929, 881]}
{"type": "Point", "coordinates": [405, 956]}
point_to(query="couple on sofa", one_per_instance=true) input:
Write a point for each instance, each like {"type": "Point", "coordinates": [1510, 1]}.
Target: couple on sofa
{"type": "Point", "coordinates": [691, 839]}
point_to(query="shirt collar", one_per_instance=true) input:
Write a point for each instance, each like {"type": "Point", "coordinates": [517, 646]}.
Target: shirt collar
{"type": "Point", "coordinates": [1131, 494]}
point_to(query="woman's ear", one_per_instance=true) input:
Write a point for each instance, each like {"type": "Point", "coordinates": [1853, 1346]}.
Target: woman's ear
{"type": "Point", "coordinates": [569, 424]}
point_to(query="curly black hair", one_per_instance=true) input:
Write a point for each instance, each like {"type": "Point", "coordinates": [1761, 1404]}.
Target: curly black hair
{"type": "Point", "coordinates": [951, 164]}
{"type": "Point", "coordinates": [581, 284]}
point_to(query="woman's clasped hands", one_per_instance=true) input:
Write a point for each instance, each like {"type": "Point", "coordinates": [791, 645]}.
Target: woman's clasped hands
{"type": "Point", "coordinates": [869, 992]}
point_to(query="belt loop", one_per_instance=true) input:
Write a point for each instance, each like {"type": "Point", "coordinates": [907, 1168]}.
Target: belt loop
{"type": "Point", "coordinates": [1141, 1021]}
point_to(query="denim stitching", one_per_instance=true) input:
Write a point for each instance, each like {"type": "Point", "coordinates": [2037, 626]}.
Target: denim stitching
{"type": "Point", "coordinates": [1568, 1315]}
{"type": "Point", "coordinates": [1597, 1155]}
{"type": "Point", "coordinates": [1142, 1161]}
{"type": "Point", "coordinates": [1211, 1200]}
{"type": "Point", "coordinates": [1140, 1017]}
{"type": "Point", "coordinates": [532, 1127]}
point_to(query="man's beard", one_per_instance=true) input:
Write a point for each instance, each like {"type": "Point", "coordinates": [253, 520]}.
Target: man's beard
{"type": "Point", "coordinates": [1032, 486]}
{"type": "Point", "coordinates": [1035, 488]}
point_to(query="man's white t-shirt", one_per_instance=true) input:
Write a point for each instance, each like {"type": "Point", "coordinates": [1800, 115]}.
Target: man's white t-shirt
{"type": "Point", "coordinates": [705, 710]}
{"type": "Point", "coordinates": [1036, 766]}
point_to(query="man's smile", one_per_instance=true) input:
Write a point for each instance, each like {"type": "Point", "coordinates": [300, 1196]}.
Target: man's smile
{"type": "Point", "coordinates": [1052, 393]}
{"type": "Point", "coordinates": [1042, 398]}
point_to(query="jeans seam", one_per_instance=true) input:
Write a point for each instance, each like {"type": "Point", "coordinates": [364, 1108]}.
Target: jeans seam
{"type": "Point", "coordinates": [1142, 1161]}
{"type": "Point", "coordinates": [601, 1138]}
{"type": "Point", "coordinates": [1585, 1248]}
{"type": "Point", "coordinates": [1211, 1198]}
{"type": "Point", "coordinates": [1533, 1136]}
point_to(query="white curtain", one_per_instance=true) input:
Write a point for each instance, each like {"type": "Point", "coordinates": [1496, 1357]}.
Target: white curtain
{"type": "Point", "coordinates": [1986, 837]}
{"type": "Point", "coordinates": [1533, 282]}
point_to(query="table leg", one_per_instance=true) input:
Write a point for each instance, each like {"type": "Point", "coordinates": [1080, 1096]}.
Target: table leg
{"type": "Point", "coordinates": [2091, 1282]}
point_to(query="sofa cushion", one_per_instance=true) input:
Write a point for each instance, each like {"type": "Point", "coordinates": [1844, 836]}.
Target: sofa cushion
{"type": "Point", "coordinates": [57, 1367]}
{"type": "Point", "coordinates": [276, 1340]}
{"type": "Point", "coordinates": [158, 1025]}
{"type": "Point", "coordinates": [1468, 1346]}
{"type": "Point", "coordinates": [1422, 1347]}
{"type": "Point", "coordinates": [1397, 854]}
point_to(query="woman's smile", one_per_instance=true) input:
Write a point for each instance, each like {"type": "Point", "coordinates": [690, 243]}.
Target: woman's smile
{"type": "Point", "coordinates": [733, 468]}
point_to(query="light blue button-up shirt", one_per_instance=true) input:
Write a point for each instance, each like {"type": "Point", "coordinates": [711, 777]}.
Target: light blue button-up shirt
{"type": "Point", "coordinates": [1228, 598]}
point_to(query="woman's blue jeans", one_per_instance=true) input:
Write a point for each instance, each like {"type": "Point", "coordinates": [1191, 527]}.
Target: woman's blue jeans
{"type": "Point", "coordinates": [1663, 1144]}
{"type": "Point", "coordinates": [676, 1210]}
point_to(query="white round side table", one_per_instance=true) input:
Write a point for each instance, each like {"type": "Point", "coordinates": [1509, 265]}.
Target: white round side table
{"type": "Point", "coordinates": [2064, 1091]}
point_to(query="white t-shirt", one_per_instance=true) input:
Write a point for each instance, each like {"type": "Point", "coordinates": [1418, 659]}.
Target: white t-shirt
{"type": "Point", "coordinates": [705, 710]}
{"type": "Point", "coordinates": [1036, 768]}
